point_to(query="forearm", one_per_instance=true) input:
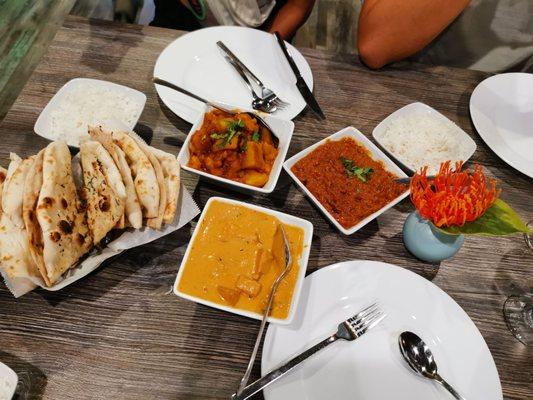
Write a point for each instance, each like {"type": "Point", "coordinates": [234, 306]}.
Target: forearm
{"type": "Point", "coordinates": [391, 30]}
{"type": "Point", "coordinates": [290, 17]}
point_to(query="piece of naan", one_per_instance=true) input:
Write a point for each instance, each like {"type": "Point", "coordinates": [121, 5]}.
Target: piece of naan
{"type": "Point", "coordinates": [32, 188]}
{"type": "Point", "coordinates": [62, 217]}
{"type": "Point", "coordinates": [143, 174]}
{"type": "Point", "coordinates": [157, 221]}
{"type": "Point", "coordinates": [171, 172]}
{"type": "Point", "coordinates": [104, 190]}
{"type": "Point", "coordinates": [15, 256]}
{"type": "Point", "coordinates": [132, 207]}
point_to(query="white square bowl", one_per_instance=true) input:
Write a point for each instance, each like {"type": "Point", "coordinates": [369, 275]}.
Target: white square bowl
{"type": "Point", "coordinates": [376, 154]}
{"type": "Point", "coordinates": [8, 381]}
{"type": "Point", "coordinates": [282, 129]}
{"type": "Point", "coordinates": [285, 218]}
{"type": "Point", "coordinates": [43, 125]}
{"type": "Point", "coordinates": [465, 142]}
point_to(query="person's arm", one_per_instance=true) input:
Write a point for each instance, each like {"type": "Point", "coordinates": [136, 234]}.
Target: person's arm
{"type": "Point", "coordinates": [290, 17]}
{"type": "Point", "coordinates": [391, 30]}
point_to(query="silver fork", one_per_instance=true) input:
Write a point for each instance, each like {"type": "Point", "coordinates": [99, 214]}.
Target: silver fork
{"type": "Point", "coordinates": [350, 329]}
{"type": "Point", "coordinates": [267, 95]}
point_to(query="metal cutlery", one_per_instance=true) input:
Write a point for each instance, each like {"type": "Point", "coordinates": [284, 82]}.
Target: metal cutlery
{"type": "Point", "coordinates": [300, 82]}
{"type": "Point", "coordinates": [420, 358]}
{"type": "Point", "coordinates": [268, 99]}
{"type": "Point", "coordinates": [177, 88]}
{"type": "Point", "coordinates": [350, 329]}
{"type": "Point", "coordinates": [407, 180]}
{"type": "Point", "coordinates": [266, 312]}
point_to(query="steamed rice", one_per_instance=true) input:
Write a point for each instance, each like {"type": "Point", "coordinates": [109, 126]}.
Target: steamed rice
{"type": "Point", "coordinates": [420, 140]}
{"type": "Point", "coordinates": [86, 105]}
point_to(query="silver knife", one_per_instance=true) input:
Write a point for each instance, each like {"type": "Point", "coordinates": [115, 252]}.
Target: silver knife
{"type": "Point", "coordinates": [300, 83]}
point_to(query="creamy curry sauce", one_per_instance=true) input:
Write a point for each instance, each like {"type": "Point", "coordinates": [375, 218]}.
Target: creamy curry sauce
{"type": "Point", "coordinates": [236, 256]}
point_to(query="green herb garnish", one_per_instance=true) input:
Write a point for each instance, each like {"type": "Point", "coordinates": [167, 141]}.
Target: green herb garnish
{"type": "Point", "coordinates": [256, 136]}
{"type": "Point", "coordinates": [234, 128]}
{"type": "Point", "coordinates": [217, 136]}
{"type": "Point", "coordinates": [353, 171]}
{"type": "Point", "coordinates": [244, 144]}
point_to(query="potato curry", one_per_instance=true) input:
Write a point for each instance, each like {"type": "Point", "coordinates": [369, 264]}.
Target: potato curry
{"type": "Point", "coordinates": [236, 256]}
{"type": "Point", "coordinates": [235, 147]}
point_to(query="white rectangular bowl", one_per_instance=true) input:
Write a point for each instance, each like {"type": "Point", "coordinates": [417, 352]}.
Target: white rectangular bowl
{"type": "Point", "coordinates": [465, 141]}
{"type": "Point", "coordinates": [302, 262]}
{"type": "Point", "coordinates": [43, 124]}
{"type": "Point", "coordinates": [282, 129]}
{"type": "Point", "coordinates": [376, 154]}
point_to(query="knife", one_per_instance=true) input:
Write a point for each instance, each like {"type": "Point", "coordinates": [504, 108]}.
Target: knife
{"type": "Point", "coordinates": [300, 83]}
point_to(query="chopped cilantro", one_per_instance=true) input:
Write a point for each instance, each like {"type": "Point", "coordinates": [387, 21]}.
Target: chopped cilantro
{"type": "Point", "coordinates": [353, 171]}
{"type": "Point", "coordinates": [256, 136]}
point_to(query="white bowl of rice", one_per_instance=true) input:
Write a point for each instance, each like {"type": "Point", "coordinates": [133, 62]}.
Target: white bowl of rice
{"type": "Point", "coordinates": [82, 102]}
{"type": "Point", "coordinates": [417, 135]}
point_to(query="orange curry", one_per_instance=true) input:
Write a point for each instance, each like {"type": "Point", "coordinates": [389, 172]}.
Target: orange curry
{"type": "Point", "coordinates": [347, 181]}
{"type": "Point", "coordinates": [235, 147]}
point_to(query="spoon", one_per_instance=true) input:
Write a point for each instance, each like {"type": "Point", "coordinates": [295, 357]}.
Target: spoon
{"type": "Point", "coordinates": [420, 359]}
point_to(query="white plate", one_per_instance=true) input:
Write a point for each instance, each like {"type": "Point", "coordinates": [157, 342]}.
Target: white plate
{"type": "Point", "coordinates": [502, 111]}
{"type": "Point", "coordinates": [43, 125]}
{"type": "Point", "coordinates": [194, 62]}
{"type": "Point", "coordinates": [464, 142]}
{"type": "Point", "coordinates": [8, 382]}
{"type": "Point", "coordinates": [376, 154]}
{"type": "Point", "coordinates": [285, 218]}
{"type": "Point", "coordinates": [371, 367]}
{"type": "Point", "coordinates": [281, 128]}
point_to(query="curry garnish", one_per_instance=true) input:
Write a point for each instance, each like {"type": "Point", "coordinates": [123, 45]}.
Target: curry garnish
{"type": "Point", "coordinates": [256, 136]}
{"type": "Point", "coordinates": [353, 171]}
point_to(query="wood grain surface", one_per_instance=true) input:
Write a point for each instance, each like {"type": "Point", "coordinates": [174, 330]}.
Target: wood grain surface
{"type": "Point", "coordinates": [119, 334]}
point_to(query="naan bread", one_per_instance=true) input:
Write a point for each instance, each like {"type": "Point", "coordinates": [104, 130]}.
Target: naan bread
{"type": "Point", "coordinates": [158, 220]}
{"type": "Point", "coordinates": [15, 254]}
{"type": "Point", "coordinates": [3, 174]}
{"type": "Point", "coordinates": [32, 188]}
{"type": "Point", "coordinates": [62, 218]}
{"type": "Point", "coordinates": [132, 206]}
{"type": "Point", "coordinates": [143, 174]}
{"type": "Point", "coordinates": [171, 172]}
{"type": "Point", "coordinates": [103, 191]}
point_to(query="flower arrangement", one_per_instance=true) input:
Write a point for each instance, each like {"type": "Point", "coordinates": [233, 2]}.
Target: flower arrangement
{"type": "Point", "coordinates": [464, 202]}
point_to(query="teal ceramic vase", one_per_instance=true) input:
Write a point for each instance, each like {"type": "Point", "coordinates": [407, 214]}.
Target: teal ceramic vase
{"type": "Point", "coordinates": [428, 243]}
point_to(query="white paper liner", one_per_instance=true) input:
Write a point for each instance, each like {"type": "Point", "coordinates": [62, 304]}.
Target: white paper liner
{"type": "Point", "coordinates": [187, 210]}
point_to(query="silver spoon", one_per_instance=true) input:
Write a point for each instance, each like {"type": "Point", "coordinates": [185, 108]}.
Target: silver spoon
{"type": "Point", "coordinates": [420, 359]}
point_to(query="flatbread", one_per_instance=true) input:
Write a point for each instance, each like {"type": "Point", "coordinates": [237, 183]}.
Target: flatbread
{"type": "Point", "coordinates": [104, 191]}
{"type": "Point", "coordinates": [132, 207]}
{"type": "Point", "coordinates": [158, 220]}
{"type": "Point", "coordinates": [143, 174]}
{"type": "Point", "coordinates": [32, 188]}
{"type": "Point", "coordinates": [62, 218]}
{"type": "Point", "coordinates": [3, 174]}
{"type": "Point", "coordinates": [171, 172]}
{"type": "Point", "coordinates": [14, 187]}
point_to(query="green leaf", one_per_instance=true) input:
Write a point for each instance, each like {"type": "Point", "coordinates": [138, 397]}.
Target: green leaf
{"type": "Point", "coordinates": [499, 220]}
{"type": "Point", "coordinates": [217, 136]}
{"type": "Point", "coordinates": [256, 137]}
{"type": "Point", "coordinates": [353, 171]}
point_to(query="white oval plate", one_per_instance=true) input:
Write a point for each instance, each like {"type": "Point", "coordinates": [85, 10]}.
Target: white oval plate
{"type": "Point", "coordinates": [502, 111]}
{"type": "Point", "coordinates": [371, 367]}
{"type": "Point", "coordinates": [194, 62]}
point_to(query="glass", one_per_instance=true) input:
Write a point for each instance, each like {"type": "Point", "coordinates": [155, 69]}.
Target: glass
{"type": "Point", "coordinates": [518, 310]}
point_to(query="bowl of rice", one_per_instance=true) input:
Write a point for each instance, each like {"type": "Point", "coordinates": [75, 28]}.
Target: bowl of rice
{"type": "Point", "coordinates": [84, 102]}
{"type": "Point", "coordinates": [417, 135]}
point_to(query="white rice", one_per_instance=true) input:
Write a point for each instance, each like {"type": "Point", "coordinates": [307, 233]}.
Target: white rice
{"type": "Point", "coordinates": [86, 105]}
{"type": "Point", "coordinates": [420, 140]}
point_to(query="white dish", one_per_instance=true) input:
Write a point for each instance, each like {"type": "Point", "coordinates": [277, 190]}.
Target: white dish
{"type": "Point", "coordinates": [43, 125]}
{"type": "Point", "coordinates": [371, 367]}
{"type": "Point", "coordinates": [502, 111]}
{"type": "Point", "coordinates": [285, 218]}
{"type": "Point", "coordinates": [8, 382]}
{"type": "Point", "coordinates": [281, 128]}
{"type": "Point", "coordinates": [464, 142]}
{"type": "Point", "coordinates": [194, 62]}
{"type": "Point", "coordinates": [376, 154]}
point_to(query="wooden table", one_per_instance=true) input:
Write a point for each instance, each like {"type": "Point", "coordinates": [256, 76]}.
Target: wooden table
{"type": "Point", "coordinates": [118, 334]}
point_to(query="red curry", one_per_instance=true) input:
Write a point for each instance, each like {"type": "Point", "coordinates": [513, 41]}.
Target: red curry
{"type": "Point", "coordinates": [347, 181]}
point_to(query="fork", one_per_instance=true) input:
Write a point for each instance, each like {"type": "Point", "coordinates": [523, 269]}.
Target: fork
{"type": "Point", "coordinates": [267, 95]}
{"type": "Point", "coordinates": [350, 329]}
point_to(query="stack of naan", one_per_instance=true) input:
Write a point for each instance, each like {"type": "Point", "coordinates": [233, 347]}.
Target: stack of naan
{"type": "Point", "coordinates": [47, 223]}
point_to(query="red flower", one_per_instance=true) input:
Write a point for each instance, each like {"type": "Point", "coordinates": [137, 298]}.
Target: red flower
{"type": "Point", "coordinates": [453, 197]}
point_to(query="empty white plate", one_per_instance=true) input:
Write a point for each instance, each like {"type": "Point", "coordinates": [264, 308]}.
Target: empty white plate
{"type": "Point", "coordinates": [502, 111]}
{"type": "Point", "coordinates": [371, 367]}
{"type": "Point", "coordinates": [194, 62]}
